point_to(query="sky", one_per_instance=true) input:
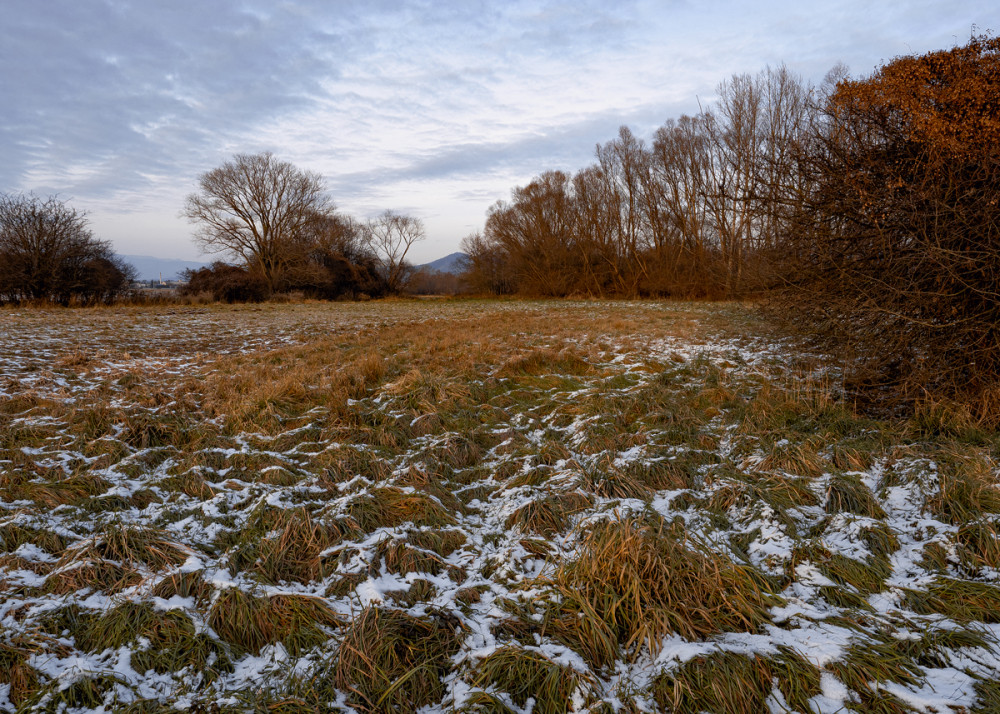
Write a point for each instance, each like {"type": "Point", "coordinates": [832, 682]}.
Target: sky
{"type": "Point", "coordinates": [434, 108]}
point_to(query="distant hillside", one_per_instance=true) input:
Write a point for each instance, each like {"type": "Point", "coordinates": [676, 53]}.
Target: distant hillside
{"type": "Point", "coordinates": [453, 264]}
{"type": "Point", "coordinates": [150, 268]}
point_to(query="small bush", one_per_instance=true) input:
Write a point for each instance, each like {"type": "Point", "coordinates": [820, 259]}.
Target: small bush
{"type": "Point", "coordinates": [225, 283]}
{"type": "Point", "coordinates": [892, 250]}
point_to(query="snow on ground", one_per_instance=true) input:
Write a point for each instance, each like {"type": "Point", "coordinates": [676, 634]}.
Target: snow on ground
{"type": "Point", "coordinates": [103, 428]}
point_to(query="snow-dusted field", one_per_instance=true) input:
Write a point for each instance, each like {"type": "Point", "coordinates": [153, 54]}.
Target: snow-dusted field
{"type": "Point", "coordinates": [476, 506]}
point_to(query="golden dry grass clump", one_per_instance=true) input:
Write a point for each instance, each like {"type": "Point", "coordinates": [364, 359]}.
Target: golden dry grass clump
{"type": "Point", "coordinates": [249, 622]}
{"type": "Point", "coordinates": [390, 661]}
{"type": "Point", "coordinates": [526, 674]}
{"type": "Point", "coordinates": [110, 560]}
{"type": "Point", "coordinates": [637, 580]}
{"type": "Point", "coordinates": [544, 361]}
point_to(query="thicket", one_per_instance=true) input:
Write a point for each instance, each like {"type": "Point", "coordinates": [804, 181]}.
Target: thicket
{"type": "Point", "coordinates": [278, 224]}
{"type": "Point", "coordinates": [865, 211]}
{"type": "Point", "coordinates": [47, 253]}
{"type": "Point", "coordinates": [328, 260]}
{"type": "Point", "coordinates": [892, 240]}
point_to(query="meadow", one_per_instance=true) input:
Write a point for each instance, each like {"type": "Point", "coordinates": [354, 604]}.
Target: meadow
{"type": "Point", "coordinates": [478, 506]}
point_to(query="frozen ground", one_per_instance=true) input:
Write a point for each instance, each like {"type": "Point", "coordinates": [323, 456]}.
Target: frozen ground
{"type": "Point", "coordinates": [393, 506]}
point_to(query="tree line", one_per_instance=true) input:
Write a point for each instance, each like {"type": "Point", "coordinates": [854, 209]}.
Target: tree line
{"type": "Point", "coordinates": [273, 222]}
{"type": "Point", "coordinates": [693, 213]}
{"type": "Point", "coordinates": [865, 212]}
{"type": "Point", "coordinates": [47, 253]}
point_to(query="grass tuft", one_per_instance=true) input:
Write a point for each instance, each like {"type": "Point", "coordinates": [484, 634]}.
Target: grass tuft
{"type": "Point", "coordinates": [847, 494]}
{"type": "Point", "coordinates": [20, 677]}
{"type": "Point", "coordinates": [389, 661]}
{"type": "Point", "coordinates": [968, 487]}
{"type": "Point", "coordinates": [978, 545]}
{"type": "Point", "coordinates": [868, 664]}
{"type": "Point", "coordinates": [636, 581]}
{"type": "Point", "coordinates": [866, 577]}
{"type": "Point", "coordinates": [249, 622]}
{"type": "Point", "coordinates": [390, 507]}
{"type": "Point", "coordinates": [962, 600]}
{"type": "Point", "coordinates": [549, 514]}
{"type": "Point", "coordinates": [731, 683]}
{"type": "Point", "coordinates": [13, 536]}
{"type": "Point", "coordinates": [544, 361]}
{"type": "Point", "coordinates": [162, 641]}
{"type": "Point", "coordinates": [525, 674]}
{"type": "Point", "coordinates": [129, 545]}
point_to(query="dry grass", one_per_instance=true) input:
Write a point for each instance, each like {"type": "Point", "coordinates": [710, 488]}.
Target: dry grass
{"type": "Point", "coordinates": [471, 462]}
{"type": "Point", "coordinates": [544, 361]}
{"type": "Point", "coordinates": [169, 640]}
{"type": "Point", "coordinates": [866, 665]}
{"type": "Point", "coordinates": [961, 600]}
{"type": "Point", "coordinates": [389, 661]}
{"type": "Point", "coordinates": [128, 545]}
{"type": "Point", "coordinates": [249, 622]}
{"type": "Point", "coordinates": [968, 486]}
{"type": "Point", "coordinates": [20, 677]}
{"type": "Point", "coordinates": [847, 494]}
{"type": "Point", "coordinates": [865, 577]}
{"type": "Point", "coordinates": [13, 536]}
{"type": "Point", "coordinates": [524, 674]}
{"type": "Point", "coordinates": [731, 683]}
{"type": "Point", "coordinates": [390, 507]}
{"type": "Point", "coordinates": [550, 514]}
{"type": "Point", "coordinates": [82, 574]}
{"type": "Point", "coordinates": [291, 550]}
{"type": "Point", "coordinates": [636, 581]}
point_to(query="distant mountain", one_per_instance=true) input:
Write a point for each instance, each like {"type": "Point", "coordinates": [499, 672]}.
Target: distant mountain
{"type": "Point", "coordinates": [454, 264]}
{"type": "Point", "coordinates": [150, 268]}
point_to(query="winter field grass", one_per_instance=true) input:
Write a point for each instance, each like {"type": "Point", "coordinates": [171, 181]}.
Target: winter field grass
{"type": "Point", "coordinates": [478, 507]}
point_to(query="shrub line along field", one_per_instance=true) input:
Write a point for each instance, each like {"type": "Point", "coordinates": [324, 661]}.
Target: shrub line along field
{"type": "Point", "coordinates": [481, 507]}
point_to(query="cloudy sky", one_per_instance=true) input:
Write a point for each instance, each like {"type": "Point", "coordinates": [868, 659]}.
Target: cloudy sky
{"type": "Point", "coordinates": [431, 107]}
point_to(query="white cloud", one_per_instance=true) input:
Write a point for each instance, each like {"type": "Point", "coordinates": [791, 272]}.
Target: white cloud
{"type": "Point", "coordinates": [438, 108]}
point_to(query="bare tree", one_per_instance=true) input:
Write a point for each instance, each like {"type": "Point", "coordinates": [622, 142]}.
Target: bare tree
{"type": "Point", "coordinates": [623, 164]}
{"type": "Point", "coordinates": [256, 207]}
{"type": "Point", "coordinates": [390, 236]}
{"type": "Point", "coordinates": [47, 252]}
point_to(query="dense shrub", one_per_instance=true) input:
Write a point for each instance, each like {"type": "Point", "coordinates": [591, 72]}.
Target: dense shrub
{"type": "Point", "coordinates": [334, 274]}
{"type": "Point", "coordinates": [894, 246]}
{"type": "Point", "coordinates": [227, 283]}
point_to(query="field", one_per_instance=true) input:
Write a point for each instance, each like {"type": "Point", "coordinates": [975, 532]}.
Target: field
{"type": "Point", "coordinates": [478, 507]}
